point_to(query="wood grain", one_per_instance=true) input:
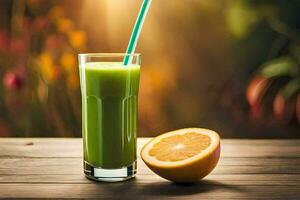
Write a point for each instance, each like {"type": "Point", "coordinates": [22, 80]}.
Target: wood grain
{"type": "Point", "coordinates": [159, 190]}
{"type": "Point", "coordinates": [50, 147]}
{"type": "Point", "coordinates": [236, 179]}
{"type": "Point", "coordinates": [52, 168]}
{"type": "Point", "coordinates": [73, 166]}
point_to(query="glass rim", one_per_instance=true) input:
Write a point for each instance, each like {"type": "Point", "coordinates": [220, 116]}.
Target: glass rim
{"type": "Point", "coordinates": [107, 55]}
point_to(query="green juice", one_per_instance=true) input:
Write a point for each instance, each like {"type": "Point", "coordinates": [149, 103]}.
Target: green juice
{"type": "Point", "coordinates": [109, 113]}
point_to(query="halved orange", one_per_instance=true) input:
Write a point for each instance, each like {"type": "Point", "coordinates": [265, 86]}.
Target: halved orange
{"type": "Point", "coordinates": [185, 155]}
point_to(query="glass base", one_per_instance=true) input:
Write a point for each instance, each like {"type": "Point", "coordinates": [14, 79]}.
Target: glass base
{"type": "Point", "coordinates": [110, 175]}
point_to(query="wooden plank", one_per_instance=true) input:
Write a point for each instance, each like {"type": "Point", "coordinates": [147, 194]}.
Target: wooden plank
{"type": "Point", "coordinates": [72, 166]}
{"type": "Point", "coordinates": [161, 190]}
{"type": "Point", "coordinates": [260, 148]}
{"type": "Point", "coordinates": [40, 147]}
{"type": "Point", "coordinates": [240, 179]}
{"type": "Point", "coordinates": [63, 147]}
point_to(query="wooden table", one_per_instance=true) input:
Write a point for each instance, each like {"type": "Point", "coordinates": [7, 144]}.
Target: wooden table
{"type": "Point", "coordinates": [52, 168]}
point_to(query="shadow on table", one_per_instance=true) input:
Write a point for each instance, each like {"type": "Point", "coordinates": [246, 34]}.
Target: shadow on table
{"type": "Point", "coordinates": [175, 189]}
{"type": "Point", "coordinates": [164, 188]}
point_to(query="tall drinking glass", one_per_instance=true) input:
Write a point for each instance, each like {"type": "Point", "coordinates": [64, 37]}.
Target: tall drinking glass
{"type": "Point", "coordinates": [109, 115]}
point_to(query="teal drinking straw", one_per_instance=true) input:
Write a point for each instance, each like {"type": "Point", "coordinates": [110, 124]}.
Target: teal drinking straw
{"type": "Point", "coordinates": [136, 31]}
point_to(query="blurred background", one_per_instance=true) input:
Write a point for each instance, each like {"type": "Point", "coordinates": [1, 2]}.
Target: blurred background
{"type": "Point", "coordinates": [228, 65]}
